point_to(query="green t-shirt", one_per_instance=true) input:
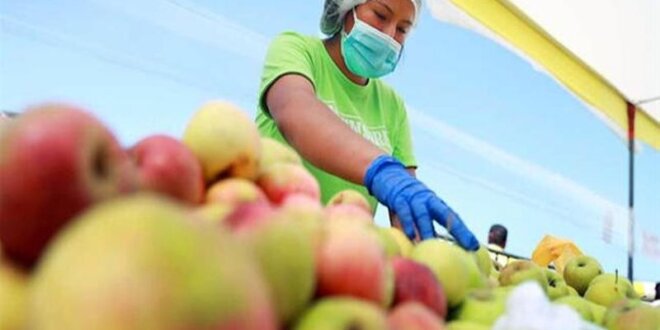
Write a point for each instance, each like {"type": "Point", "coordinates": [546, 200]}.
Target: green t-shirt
{"type": "Point", "coordinates": [374, 111]}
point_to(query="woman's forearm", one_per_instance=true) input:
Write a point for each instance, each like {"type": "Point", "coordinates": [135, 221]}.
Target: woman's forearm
{"type": "Point", "coordinates": [316, 132]}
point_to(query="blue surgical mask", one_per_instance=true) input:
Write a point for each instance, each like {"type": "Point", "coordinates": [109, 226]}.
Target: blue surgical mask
{"type": "Point", "coordinates": [368, 52]}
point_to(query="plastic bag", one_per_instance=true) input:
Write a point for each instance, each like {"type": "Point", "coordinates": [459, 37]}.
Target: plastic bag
{"type": "Point", "coordinates": [528, 308]}
{"type": "Point", "coordinates": [555, 250]}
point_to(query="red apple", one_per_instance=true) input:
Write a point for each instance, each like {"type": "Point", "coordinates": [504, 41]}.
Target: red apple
{"type": "Point", "coordinates": [248, 215]}
{"type": "Point", "coordinates": [55, 161]}
{"type": "Point", "coordinates": [352, 262]}
{"type": "Point", "coordinates": [282, 179]}
{"type": "Point", "coordinates": [412, 315]}
{"type": "Point", "coordinates": [167, 166]}
{"type": "Point", "coordinates": [449, 264]}
{"type": "Point", "coordinates": [416, 282]}
{"type": "Point", "coordinates": [302, 201]}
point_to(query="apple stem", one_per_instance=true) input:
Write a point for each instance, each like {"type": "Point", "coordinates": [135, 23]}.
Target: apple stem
{"type": "Point", "coordinates": [616, 276]}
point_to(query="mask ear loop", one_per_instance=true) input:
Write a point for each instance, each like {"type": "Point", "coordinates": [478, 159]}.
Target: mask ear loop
{"type": "Point", "coordinates": [342, 31]}
{"type": "Point", "coordinates": [355, 18]}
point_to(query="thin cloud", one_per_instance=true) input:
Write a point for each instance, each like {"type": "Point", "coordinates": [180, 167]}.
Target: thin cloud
{"type": "Point", "coordinates": [530, 171]}
{"type": "Point", "coordinates": [194, 22]}
{"type": "Point", "coordinates": [95, 50]}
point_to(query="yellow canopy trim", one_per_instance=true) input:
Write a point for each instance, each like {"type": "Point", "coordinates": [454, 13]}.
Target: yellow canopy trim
{"type": "Point", "coordinates": [508, 22]}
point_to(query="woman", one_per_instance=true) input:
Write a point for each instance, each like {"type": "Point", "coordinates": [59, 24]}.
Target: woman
{"type": "Point", "coordinates": [324, 98]}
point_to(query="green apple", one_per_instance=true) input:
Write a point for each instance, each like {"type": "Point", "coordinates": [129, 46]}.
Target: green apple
{"type": "Point", "coordinates": [448, 263]}
{"type": "Point", "coordinates": [483, 260]}
{"type": "Point", "coordinates": [285, 254]}
{"type": "Point", "coordinates": [520, 271]}
{"type": "Point", "coordinates": [579, 304]}
{"type": "Point", "coordinates": [632, 314]}
{"type": "Point", "coordinates": [13, 297]}
{"type": "Point", "coordinates": [598, 312]}
{"type": "Point", "coordinates": [643, 318]}
{"type": "Point", "coordinates": [465, 325]}
{"type": "Point", "coordinates": [483, 306]}
{"type": "Point", "coordinates": [572, 291]}
{"type": "Point", "coordinates": [621, 280]}
{"type": "Point", "coordinates": [140, 262]}
{"type": "Point", "coordinates": [388, 242]}
{"type": "Point", "coordinates": [618, 308]}
{"type": "Point", "coordinates": [225, 140]}
{"type": "Point", "coordinates": [579, 272]}
{"type": "Point", "coordinates": [556, 285]}
{"type": "Point", "coordinates": [606, 289]}
{"type": "Point", "coordinates": [495, 277]}
{"type": "Point", "coordinates": [476, 277]}
{"type": "Point", "coordinates": [405, 245]}
{"type": "Point", "coordinates": [340, 313]}
{"type": "Point", "coordinates": [492, 283]}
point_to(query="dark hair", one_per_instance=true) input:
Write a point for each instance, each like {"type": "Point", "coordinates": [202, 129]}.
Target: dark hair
{"type": "Point", "coordinates": [497, 235]}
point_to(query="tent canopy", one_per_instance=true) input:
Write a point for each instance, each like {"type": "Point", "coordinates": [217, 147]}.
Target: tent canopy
{"type": "Point", "coordinates": [607, 52]}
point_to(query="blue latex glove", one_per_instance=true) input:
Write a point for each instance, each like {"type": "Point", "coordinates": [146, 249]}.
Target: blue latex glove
{"type": "Point", "coordinates": [415, 204]}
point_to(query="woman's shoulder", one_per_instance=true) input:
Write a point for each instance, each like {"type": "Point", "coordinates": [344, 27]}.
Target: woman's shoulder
{"type": "Point", "coordinates": [386, 92]}
{"type": "Point", "coordinates": [296, 38]}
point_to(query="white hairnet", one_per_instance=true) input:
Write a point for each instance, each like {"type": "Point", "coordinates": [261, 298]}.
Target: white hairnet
{"type": "Point", "coordinates": [335, 10]}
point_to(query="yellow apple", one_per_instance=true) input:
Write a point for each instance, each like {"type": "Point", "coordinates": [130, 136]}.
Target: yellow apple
{"type": "Point", "coordinates": [405, 245]}
{"type": "Point", "coordinates": [13, 294]}
{"type": "Point", "coordinates": [225, 140]}
{"type": "Point", "coordinates": [273, 151]}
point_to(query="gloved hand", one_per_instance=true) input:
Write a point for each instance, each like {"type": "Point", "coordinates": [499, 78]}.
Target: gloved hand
{"type": "Point", "coordinates": [414, 203]}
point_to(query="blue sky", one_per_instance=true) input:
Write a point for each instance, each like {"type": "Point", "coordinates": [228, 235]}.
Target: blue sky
{"type": "Point", "coordinates": [497, 139]}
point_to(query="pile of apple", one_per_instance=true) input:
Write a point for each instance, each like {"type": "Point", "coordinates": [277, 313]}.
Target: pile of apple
{"type": "Point", "coordinates": [224, 229]}
{"type": "Point", "coordinates": [604, 299]}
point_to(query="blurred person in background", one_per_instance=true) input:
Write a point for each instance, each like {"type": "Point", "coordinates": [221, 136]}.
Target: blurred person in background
{"type": "Point", "coordinates": [497, 236]}
{"type": "Point", "coordinates": [6, 116]}
{"type": "Point", "coordinates": [324, 97]}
